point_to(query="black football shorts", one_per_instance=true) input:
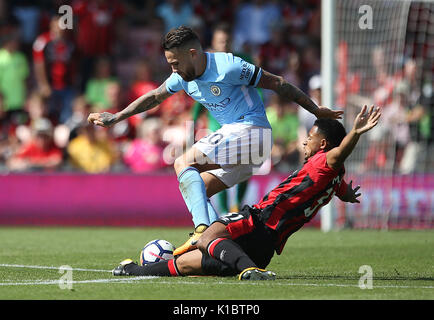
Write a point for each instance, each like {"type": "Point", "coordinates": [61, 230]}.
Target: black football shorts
{"type": "Point", "coordinates": [251, 234]}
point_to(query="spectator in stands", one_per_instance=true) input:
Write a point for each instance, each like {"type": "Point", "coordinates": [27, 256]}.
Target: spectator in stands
{"type": "Point", "coordinates": [214, 12]}
{"type": "Point", "coordinates": [417, 117]}
{"type": "Point", "coordinates": [80, 109]}
{"type": "Point", "coordinates": [382, 86]}
{"type": "Point", "coordinates": [386, 147]}
{"type": "Point", "coordinates": [143, 82]}
{"type": "Point", "coordinates": [292, 72]}
{"type": "Point", "coordinates": [175, 13]}
{"type": "Point", "coordinates": [404, 116]}
{"type": "Point", "coordinates": [379, 63]}
{"type": "Point", "coordinates": [145, 153]}
{"type": "Point", "coordinates": [54, 63]}
{"type": "Point", "coordinates": [175, 132]}
{"type": "Point", "coordinates": [273, 54]}
{"type": "Point", "coordinates": [40, 153]}
{"type": "Point", "coordinates": [399, 93]}
{"type": "Point", "coordinates": [28, 14]}
{"type": "Point", "coordinates": [8, 142]}
{"type": "Point", "coordinates": [141, 13]}
{"type": "Point", "coordinates": [306, 121]}
{"type": "Point", "coordinates": [37, 110]}
{"type": "Point", "coordinates": [175, 106]}
{"type": "Point", "coordinates": [310, 63]}
{"type": "Point", "coordinates": [14, 71]}
{"type": "Point", "coordinates": [97, 30]}
{"type": "Point", "coordinates": [253, 22]}
{"type": "Point", "coordinates": [64, 133]}
{"type": "Point", "coordinates": [92, 151]}
{"type": "Point", "coordinates": [221, 39]}
{"type": "Point", "coordinates": [97, 86]}
{"type": "Point", "coordinates": [123, 130]}
{"type": "Point", "coordinates": [314, 19]}
{"type": "Point", "coordinates": [296, 16]}
{"type": "Point", "coordinates": [396, 114]}
{"type": "Point", "coordinates": [4, 12]}
{"type": "Point", "coordinates": [97, 21]}
{"type": "Point", "coordinates": [285, 123]}
{"type": "Point", "coordinates": [36, 107]}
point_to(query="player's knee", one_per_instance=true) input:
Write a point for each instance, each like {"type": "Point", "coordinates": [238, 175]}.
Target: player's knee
{"type": "Point", "coordinates": [189, 263]}
{"type": "Point", "coordinates": [182, 267]}
{"type": "Point", "coordinates": [179, 164]}
{"type": "Point", "coordinates": [184, 161]}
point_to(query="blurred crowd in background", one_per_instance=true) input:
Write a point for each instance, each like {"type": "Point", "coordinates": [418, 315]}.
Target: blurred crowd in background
{"type": "Point", "coordinates": [52, 78]}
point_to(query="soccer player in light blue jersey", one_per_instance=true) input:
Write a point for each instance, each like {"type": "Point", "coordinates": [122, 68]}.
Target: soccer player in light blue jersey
{"type": "Point", "coordinates": [225, 85]}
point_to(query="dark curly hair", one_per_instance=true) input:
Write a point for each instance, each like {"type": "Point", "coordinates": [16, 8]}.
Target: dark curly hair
{"type": "Point", "coordinates": [179, 37]}
{"type": "Point", "coordinates": [333, 131]}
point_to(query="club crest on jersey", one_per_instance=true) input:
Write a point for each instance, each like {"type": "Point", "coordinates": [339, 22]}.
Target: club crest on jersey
{"type": "Point", "coordinates": [215, 90]}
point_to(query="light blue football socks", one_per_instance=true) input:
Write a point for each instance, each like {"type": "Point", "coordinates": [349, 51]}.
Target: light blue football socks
{"type": "Point", "coordinates": [212, 214]}
{"type": "Point", "coordinates": [193, 191]}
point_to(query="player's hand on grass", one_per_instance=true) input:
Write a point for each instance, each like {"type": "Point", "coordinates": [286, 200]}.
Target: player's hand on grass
{"type": "Point", "coordinates": [324, 112]}
{"type": "Point", "coordinates": [351, 195]}
{"type": "Point", "coordinates": [105, 119]}
{"type": "Point", "coordinates": [365, 121]}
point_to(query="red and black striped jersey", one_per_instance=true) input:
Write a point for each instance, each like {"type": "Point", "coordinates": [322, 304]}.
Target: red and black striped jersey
{"type": "Point", "coordinates": [296, 200]}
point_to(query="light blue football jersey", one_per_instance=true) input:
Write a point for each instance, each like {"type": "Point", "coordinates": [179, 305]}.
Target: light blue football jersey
{"type": "Point", "coordinates": [226, 89]}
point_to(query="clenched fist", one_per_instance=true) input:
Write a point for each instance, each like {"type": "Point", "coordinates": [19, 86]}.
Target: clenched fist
{"type": "Point", "coordinates": [105, 119]}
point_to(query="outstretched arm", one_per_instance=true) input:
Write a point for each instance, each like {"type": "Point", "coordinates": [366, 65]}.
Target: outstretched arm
{"type": "Point", "coordinates": [364, 122]}
{"type": "Point", "coordinates": [292, 93]}
{"type": "Point", "coordinates": [148, 101]}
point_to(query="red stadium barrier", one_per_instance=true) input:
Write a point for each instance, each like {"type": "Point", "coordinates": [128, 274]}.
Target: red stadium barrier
{"type": "Point", "coordinates": [393, 202]}
{"type": "Point", "coordinates": [155, 200]}
{"type": "Point", "coordinates": [73, 199]}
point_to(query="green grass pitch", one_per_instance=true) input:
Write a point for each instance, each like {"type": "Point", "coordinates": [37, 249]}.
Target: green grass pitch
{"type": "Point", "coordinates": [313, 265]}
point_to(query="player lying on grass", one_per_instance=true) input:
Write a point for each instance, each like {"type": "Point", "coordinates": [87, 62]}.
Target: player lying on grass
{"type": "Point", "coordinates": [225, 85]}
{"type": "Point", "coordinates": [244, 242]}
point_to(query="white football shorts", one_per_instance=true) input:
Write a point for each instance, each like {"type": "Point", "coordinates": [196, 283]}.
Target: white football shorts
{"type": "Point", "coordinates": [240, 149]}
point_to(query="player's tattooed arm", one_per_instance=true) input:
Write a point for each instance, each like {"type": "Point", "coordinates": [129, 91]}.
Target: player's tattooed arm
{"type": "Point", "coordinates": [146, 102]}
{"type": "Point", "coordinates": [291, 93]}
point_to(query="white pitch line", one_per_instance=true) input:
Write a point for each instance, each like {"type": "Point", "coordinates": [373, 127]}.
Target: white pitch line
{"type": "Point", "coordinates": [48, 267]}
{"type": "Point", "coordinates": [149, 278]}
{"type": "Point", "coordinates": [134, 279]}
{"type": "Point", "coordinates": [57, 282]}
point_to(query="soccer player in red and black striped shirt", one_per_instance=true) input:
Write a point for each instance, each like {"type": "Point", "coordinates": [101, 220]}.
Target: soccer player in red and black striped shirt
{"type": "Point", "coordinates": [244, 242]}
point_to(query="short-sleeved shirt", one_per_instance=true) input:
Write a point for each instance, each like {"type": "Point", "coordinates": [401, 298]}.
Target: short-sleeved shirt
{"type": "Point", "coordinates": [226, 89]}
{"type": "Point", "coordinates": [13, 73]}
{"type": "Point", "coordinates": [58, 56]}
{"type": "Point", "coordinates": [296, 200]}
{"type": "Point", "coordinates": [36, 155]}
{"type": "Point", "coordinates": [96, 24]}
